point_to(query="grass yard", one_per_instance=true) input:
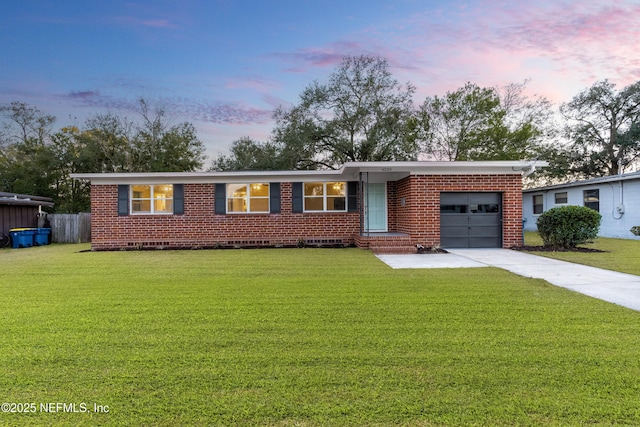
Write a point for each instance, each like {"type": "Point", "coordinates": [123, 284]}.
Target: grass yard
{"type": "Point", "coordinates": [620, 254]}
{"type": "Point", "coordinates": [303, 337]}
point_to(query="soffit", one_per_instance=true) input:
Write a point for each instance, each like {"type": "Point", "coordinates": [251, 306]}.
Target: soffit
{"type": "Point", "coordinates": [378, 171]}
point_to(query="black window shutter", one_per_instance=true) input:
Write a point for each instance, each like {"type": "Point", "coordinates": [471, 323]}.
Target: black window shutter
{"type": "Point", "coordinates": [352, 196]}
{"type": "Point", "coordinates": [274, 197]}
{"type": "Point", "coordinates": [123, 200]}
{"type": "Point", "coordinates": [220, 202]}
{"type": "Point", "coordinates": [178, 199]}
{"type": "Point", "coordinates": [296, 197]}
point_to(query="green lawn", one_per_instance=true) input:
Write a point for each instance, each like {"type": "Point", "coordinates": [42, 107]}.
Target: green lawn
{"type": "Point", "coordinates": [620, 254]}
{"type": "Point", "coordinates": [304, 337]}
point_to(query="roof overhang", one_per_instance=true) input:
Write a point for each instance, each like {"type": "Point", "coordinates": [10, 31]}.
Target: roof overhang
{"type": "Point", "coordinates": [633, 176]}
{"type": "Point", "coordinates": [351, 171]}
{"type": "Point", "coordinates": [398, 170]}
{"type": "Point", "coordinates": [206, 177]}
{"type": "Point", "coordinates": [12, 199]}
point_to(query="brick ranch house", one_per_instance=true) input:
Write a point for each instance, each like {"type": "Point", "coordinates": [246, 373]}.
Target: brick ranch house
{"type": "Point", "coordinates": [389, 207]}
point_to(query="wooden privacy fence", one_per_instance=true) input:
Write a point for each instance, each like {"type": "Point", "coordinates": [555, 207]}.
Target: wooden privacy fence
{"type": "Point", "coordinates": [70, 228]}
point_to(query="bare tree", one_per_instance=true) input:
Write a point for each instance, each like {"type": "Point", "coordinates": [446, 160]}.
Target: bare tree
{"type": "Point", "coordinates": [603, 126]}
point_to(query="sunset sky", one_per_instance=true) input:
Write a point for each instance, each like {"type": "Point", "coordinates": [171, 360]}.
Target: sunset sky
{"type": "Point", "coordinates": [224, 65]}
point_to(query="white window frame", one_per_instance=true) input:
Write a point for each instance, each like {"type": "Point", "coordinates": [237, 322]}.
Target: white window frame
{"type": "Point", "coordinates": [151, 199]}
{"type": "Point", "coordinates": [325, 197]}
{"type": "Point", "coordinates": [566, 195]}
{"type": "Point", "coordinates": [247, 198]}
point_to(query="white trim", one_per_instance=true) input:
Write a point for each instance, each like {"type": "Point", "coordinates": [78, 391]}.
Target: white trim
{"type": "Point", "coordinates": [508, 167]}
{"type": "Point", "coordinates": [587, 182]}
{"type": "Point", "coordinates": [209, 177]}
{"type": "Point", "coordinates": [247, 198]}
{"type": "Point", "coordinates": [151, 200]}
{"type": "Point", "coordinates": [533, 204]}
{"type": "Point", "coordinates": [325, 198]}
{"type": "Point", "coordinates": [348, 172]}
{"type": "Point", "coordinates": [555, 198]}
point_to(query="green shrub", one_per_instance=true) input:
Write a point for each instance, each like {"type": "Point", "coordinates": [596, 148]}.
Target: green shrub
{"type": "Point", "coordinates": [566, 227]}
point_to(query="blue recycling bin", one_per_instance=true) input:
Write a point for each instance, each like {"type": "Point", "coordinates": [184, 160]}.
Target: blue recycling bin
{"type": "Point", "coordinates": [22, 237]}
{"type": "Point", "coordinates": [41, 236]}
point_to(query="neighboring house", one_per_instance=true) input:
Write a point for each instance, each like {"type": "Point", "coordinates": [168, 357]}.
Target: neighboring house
{"type": "Point", "coordinates": [386, 206]}
{"type": "Point", "coordinates": [20, 210]}
{"type": "Point", "coordinates": [617, 198]}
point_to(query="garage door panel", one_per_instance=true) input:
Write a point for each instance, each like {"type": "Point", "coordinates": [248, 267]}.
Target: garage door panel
{"type": "Point", "coordinates": [454, 221]}
{"type": "Point", "coordinates": [483, 231]}
{"type": "Point", "coordinates": [454, 198]}
{"type": "Point", "coordinates": [480, 198]}
{"type": "Point", "coordinates": [484, 208]}
{"type": "Point", "coordinates": [456, 231]}
{"type": "Point", "coordinates": [483, 242]}
{"type": "Point", "coordinates": [484, 220]}
{"type": "Point", "coordinates": [471, 220]}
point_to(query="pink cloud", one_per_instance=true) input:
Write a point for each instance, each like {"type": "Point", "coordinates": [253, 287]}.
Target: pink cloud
{"type": "Point", "coordinates": [275, 101]}
{"type": "Point", "coordinates": [306, 58]}
{"type": "Point", "coordinates": [562, 46]}
{"type": "Point", "coordinates": [303, 59]}
{"type": "Point", "coordinates": [581, 38]}
{"type": "Point", "coordinates": [183, 108]}
{"type": "Point", "coordinates": [257, 83]}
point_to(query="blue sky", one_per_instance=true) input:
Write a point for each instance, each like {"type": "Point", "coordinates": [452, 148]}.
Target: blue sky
{"type": "Point", "coordinates": [224, 65]}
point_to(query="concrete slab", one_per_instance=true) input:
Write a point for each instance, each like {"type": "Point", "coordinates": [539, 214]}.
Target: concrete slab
{"type": "Point", "coordinates": [429, 261]}
{"type": "Point", "coordinates": [612, 286]}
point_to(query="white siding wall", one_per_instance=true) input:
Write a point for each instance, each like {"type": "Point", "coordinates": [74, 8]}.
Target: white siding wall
{"type": "Point", "coordinates": [613, 223]}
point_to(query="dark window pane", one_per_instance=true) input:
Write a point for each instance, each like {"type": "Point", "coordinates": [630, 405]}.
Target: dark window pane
{"type": "Point", "coordinates": [489, 208]}
{"type": "Point", "coordinates": [561, 198]}
{"type": "Point", "coordinates": [592, 199]}
{"type": "Point", "coordinates": [538, 206]}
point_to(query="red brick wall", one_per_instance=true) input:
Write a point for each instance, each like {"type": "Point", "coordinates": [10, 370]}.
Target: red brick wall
{"type": "Point", "coordinates": [200, 227]}
{"type": "Point", "coordinates": [413, 207]}
{"type": "Point", "coordinates": [392, 206]}
{"type": "Point", "coordinates": [420, 215]}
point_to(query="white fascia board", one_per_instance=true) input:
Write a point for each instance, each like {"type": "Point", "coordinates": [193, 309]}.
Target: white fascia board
{"type": "Point", "coordinates": [206, 177]}
{"type": "Point", "coordinates": [587, 182]}
{"type": "Point", "coordinates": [348, 172]}
{"type": "Point", "coordinates": [447, 168]}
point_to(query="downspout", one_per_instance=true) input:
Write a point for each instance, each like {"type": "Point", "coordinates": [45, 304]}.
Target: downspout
{"type": "Point", "coordinates": [361, 202]}
{"type": "Point", "coordinates": [366, 208]}
{"type": "Point", "coordinates": [529, 170]}
{"type": "Point", "coordinates": [619, 208]}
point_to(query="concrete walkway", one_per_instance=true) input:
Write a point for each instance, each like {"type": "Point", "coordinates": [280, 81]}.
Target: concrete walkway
{"type": "Point", "coordinates": [618, 288]}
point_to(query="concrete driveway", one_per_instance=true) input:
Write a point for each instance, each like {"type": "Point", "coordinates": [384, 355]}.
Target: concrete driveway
{"type": "Point", "coordinates": [618, 288]}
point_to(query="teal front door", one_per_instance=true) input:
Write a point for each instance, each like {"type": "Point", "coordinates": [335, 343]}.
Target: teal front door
{"type": "Point", "coordinates": [375, 207]}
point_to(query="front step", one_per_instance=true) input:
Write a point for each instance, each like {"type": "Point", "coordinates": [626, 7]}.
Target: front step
{"type": "Point", "coordinates": [391, 250]}
{"type": "Point", "coordinates": [387, 243]}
